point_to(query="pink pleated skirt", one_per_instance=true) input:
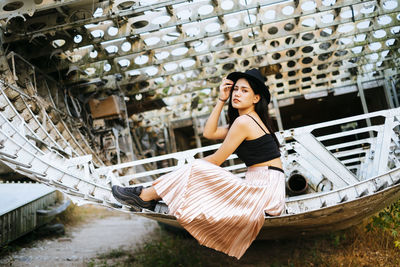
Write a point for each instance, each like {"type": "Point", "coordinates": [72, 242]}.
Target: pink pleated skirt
{"type": "Point", "coordinates": [219, 209]}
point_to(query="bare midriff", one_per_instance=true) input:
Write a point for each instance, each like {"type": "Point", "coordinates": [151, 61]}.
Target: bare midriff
{"type": "Point", "coordinates": [276, 162]}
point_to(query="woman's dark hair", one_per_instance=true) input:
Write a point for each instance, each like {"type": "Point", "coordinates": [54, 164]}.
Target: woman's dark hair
{"type": "Point", "coordinates": [261, 108]}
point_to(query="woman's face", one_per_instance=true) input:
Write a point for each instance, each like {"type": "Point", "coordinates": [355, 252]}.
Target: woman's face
{"type": "Point", "coordinates": [243, 95]}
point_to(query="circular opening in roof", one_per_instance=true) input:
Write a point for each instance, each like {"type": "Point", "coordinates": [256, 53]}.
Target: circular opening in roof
{"type": "Point", "coordinates": [58, 43]}
{"type": "Point", "coordinates": [289, 41]}
{"type": "Point", "coordinates": [218, 42]}
{"type": "Point", "coordinates": [97, 33]}
{"type": "Point", "coordinates": [390, 42]}
{"type": "Point", "coordinates": [126, 46]}
{"type": "Point", "coordinates": [139, 24]}
{"type": "Point", "coordinates": [126, 5]}
{"type": "Point", "coordinates": [142, 59]}
{"type": "Point", "coordinates": [325, 46]}
{"type": "Point", "coordinates": [360, 37]}
{"type": "Point", "coordinates": [308, 6]}
{"type": "Point", "coordinates": [291, 73]}
{"type": "Point", "coordinates": [192, 31]}
{"type": "Point", "coordinates": [93, 54]}
{"type": "Point", "coordinates": [237, 38]}
{"type": "Point", "coordinates": [341, 53]}
{"type": "Point", "coordinates": [307, 49]}
{"type": "Point", "coordinates": [346, 28]}
{"type": "Point", "coordinates": [306, 70]}
{"type": "Point", "coordinates": [357, 49]}
{"type": "Point", "coordinates": [364, 24]}
{"type": "Point", "coordinates": [112, 49]}
{"type": "Point", "coordinates": [78, 38]}
{"type": "Point", "coordinates": [379, 34]}
{"type": "Point", "coordinates": [291, 63]}
{"type": "Point", "coordinates": [273, 30]}
{"type": "Point", "coordinates": [228, 66]}
{"type": "Point", "coordinates": [326, 32]}
{"type": "Point", "coordinates": [290, 53]}
{"type": "Point", "coordinates": [383, 20]}
{"type": "Point", "coordinates": [250, 19]}
{"type": "Point", "coordinates": [212, 27]}
{"type": "Point", "coordinates": [123, 63]}
{"type": "Point", "coordinates": [307, 60]}
{"type": "Point", "coordinates": [328, 2]}
{"type": "Point", "coordinates": [374, 46]}
{"type": "Point", "coordinates": [367, 8]}
{"type": "Point", "coordinates": [232, 23]}
{"type": "Point", "coordinates": [391, 4]}
{"type": "Point", "coordinates": [287, 10]}
{"type": "Point", "coordinates": [278, 76]}
{"type": "Point", "coordinates": [322, 67]}
{"type": "Point", "coordinates": [274, 43]}
{"type": "Point", "coordinates": [13, 6]}
{"type": "Point", "coordinates": [134, 74]}
{"type": "Point", "coordinates": [347, 13]}
{"type": "Point", "coordinates": [150, 71]}
{"type": "Point", "coordinates": [180, 51]}
{"type": "Point", "coordinates": [288, 27]}
{"type": "Point", "coordinates": [184, 14]}
{"type": "Point", "coordinates": [344, 41]}
{"type": "Point", "coordinates": [270, 14]}
{"type": "Point", "coordinates": [245, 63]}
{"type": "Point", "coordinates": [162, 55]}
{"type": "Point", "coordinates": [227, 5]}
{"type": "Point", "coordinates": [373, 56]}
{"type": "Point", "coordinates": [112, 31]}
{"type": "Point", "coordinates": [327, 18]}
{"type": "Point", "coordinates": [308, 36]}
{"type": "Point", "coordinates": [152, 40]}
{"type": "Point", "coordinates": [187, 63]}
{"type": "Point", "coordinates": [324, 56]}
{"type": "Point", "coordinates": [310, 22]}
{"type": "Point", "coordinates": [395, 30]}
{"type": "Point", "coordinates": [170, 66]}
{"type": "Point", "coordinates": [161, 20]}
{"type": "Point", "coordinates": [276, 56]}
{"type": "Point", "coordinates": [205, 10]}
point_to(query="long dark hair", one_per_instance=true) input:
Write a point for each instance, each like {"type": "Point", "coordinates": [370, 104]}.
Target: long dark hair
{"type": "Point", "coordinates": [261, 108]}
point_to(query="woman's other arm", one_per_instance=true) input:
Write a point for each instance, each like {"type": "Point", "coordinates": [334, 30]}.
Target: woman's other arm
{"type": "Point", "coordinates": [235, 136]}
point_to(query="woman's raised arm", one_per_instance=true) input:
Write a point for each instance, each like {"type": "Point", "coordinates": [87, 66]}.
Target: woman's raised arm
{"type": "Point", "coordinates": [211, 129]}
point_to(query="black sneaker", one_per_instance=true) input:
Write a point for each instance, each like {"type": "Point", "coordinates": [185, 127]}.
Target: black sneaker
{"type": "Point", "coordinates": [130, 196]}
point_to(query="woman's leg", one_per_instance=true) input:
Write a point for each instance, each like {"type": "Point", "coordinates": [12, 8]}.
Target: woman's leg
{"type": "Point", "coordinates": [148, 194]}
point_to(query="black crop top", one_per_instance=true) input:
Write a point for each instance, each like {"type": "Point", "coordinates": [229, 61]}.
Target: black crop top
{"type": "Point", "coordinates": [258, 150]}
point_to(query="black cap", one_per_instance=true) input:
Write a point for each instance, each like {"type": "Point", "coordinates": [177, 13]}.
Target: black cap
{"type": "Point", "coordinates": [255, 76]}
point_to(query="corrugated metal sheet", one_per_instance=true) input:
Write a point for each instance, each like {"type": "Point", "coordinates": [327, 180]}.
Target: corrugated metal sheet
{"type": "Point", "coordinates": [18, 206]}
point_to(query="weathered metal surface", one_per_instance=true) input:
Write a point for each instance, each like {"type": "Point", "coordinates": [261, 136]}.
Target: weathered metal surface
{"type": "Point", "coordinates": [19, 203]}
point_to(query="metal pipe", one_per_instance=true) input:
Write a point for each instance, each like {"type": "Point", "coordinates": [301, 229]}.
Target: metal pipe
{"type": "Point", "coordinates": [296, 184]}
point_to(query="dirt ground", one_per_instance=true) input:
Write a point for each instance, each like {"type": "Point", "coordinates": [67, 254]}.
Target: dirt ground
{"type": "Point", "coordinates": [113, 230]}
{"type": "Point", "coordinates": [101, 237]}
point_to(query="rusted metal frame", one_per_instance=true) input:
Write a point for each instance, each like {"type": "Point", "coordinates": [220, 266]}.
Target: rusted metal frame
{"type": "Point", "coordinates": [193, 68]}
{"type": "Point", "coordinates": [225, 31]}
{"type": "Point", "coordinates": [260, 39]}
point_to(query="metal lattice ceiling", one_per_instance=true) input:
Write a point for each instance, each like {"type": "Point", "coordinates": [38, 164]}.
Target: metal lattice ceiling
{"type": "Point", "coordinates": [178, 51]}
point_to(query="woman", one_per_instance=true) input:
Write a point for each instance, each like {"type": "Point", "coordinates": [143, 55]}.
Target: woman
{"type": "Point", "coordinates": [219, 209]}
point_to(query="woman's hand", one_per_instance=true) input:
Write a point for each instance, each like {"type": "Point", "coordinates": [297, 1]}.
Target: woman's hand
{"type": "Point", "coordinates": [225, 89]}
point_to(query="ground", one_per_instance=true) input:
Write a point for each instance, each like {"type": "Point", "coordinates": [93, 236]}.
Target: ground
{"type": "Point", "coordinates": [104, 231]}
{"type": "Point", "coordinates": [102, 237]}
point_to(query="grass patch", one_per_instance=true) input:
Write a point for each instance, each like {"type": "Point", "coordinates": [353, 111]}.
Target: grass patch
{"type": "Point", "coordinates": [353, 247]}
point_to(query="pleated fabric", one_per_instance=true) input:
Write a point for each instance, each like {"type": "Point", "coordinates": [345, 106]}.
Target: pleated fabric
{"type": "Point", "coordinates": [219, 209]}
